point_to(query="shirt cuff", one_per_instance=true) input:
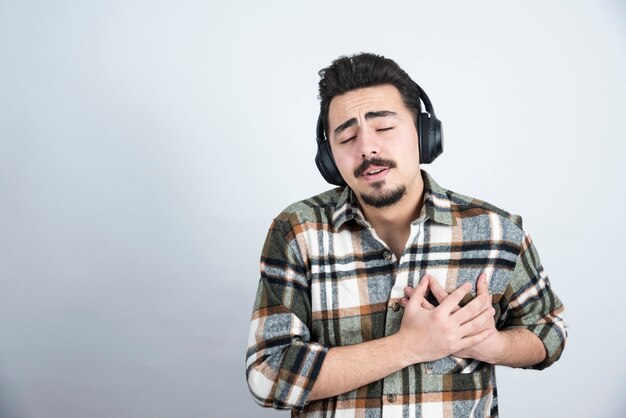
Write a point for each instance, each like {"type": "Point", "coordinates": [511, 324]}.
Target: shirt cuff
{"type": "Point", "coordinates": [553, 337]}
{"type": "Point", "coordinates": [297, 375]}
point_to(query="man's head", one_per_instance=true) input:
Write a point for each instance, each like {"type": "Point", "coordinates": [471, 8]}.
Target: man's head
{"type": "Point", "coordinates": [369, 107]}
{"type": "Point", "coordinates": [365, 70]}
{"type": "Point", "coordinates": [374, 143]}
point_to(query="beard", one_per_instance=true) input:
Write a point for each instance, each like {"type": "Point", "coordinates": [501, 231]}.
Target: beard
{"type": "Point", "coordinates": [380, 198]}
{"type": "Point", "coordinates": [383, 199]}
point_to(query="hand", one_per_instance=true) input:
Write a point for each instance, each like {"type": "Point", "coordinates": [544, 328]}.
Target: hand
{"type": "Point", "coordinates": [486, 350]}
{"type": "Point", "coordinates": [429, 333]}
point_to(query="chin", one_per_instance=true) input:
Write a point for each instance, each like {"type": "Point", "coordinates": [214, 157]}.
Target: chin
{"type": "Point", "coordinates": [383, 198]}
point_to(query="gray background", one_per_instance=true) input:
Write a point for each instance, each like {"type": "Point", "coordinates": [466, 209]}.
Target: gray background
{"type": "Point", "coordinates": [145, 147]}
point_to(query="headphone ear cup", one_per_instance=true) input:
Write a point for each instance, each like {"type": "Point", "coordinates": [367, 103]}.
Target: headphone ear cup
{"type": "Point", "coordinates": [326, 164]}
{"type": "Point", "coordinates": [430, 138]}
{"type": "Point", "coordinates": [437, 137]}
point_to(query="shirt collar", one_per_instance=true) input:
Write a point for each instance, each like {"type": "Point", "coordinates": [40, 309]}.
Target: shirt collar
{"type": "Point", "coordinates": [436, 205]}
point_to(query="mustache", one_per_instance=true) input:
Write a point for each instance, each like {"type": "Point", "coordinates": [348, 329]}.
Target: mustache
{"type": "Point", "coordinates": [381, 162]}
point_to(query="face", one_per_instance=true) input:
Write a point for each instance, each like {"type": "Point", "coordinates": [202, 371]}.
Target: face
{"type": "Point", "coordinates": [374, 142]}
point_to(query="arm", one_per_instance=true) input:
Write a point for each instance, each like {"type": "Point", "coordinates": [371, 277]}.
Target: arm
{"type": "Point", "coordinates": [529, 304]}
{"type": "Point", "coordinates": [349, 367]}
{"type": "Point", "coordinates": [282, 361]}
{"type": "Point", "coordinates": [515, 348]}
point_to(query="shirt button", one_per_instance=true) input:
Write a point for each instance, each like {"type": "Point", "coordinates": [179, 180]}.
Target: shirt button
{"type": "Point", "coordinates": [391, 398]}
{"type": "Point", "coordinates": [396, 306]}
{"type": "Point", "coordinates": [387, 255]}
{"type": "Point", "coordinates": [429, 370]}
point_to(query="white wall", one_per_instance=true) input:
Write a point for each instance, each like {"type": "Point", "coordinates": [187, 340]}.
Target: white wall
{"type": "Point", "coordinates": [146, 145]}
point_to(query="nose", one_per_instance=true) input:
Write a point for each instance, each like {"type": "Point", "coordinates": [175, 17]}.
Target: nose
{"type": "Point", "coordinates": [368, 144]}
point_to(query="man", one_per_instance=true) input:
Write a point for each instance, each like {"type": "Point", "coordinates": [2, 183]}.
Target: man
{"type": "Point", "coordinates": [392, 296]}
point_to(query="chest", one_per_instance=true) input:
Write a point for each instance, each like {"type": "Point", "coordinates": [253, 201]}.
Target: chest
{"type": "Point", "coordinates": [357, 282]}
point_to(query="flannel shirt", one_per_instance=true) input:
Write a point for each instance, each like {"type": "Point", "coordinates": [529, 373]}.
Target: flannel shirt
{"type": "Point", "coordinates": [327, 280]}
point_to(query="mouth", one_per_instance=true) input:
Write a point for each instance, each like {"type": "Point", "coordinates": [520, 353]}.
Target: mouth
{"type": "Point", "coordinates": [374, 168]}
{"type": "Point", "coordinates": [375, 173]}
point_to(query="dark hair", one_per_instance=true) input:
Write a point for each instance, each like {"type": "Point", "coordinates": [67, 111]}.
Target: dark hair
{"type": "Point", "coordinates": [348, 73]}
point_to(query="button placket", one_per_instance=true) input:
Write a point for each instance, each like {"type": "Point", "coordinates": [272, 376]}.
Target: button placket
{"type": "Point", "coordinates": [428, 369]}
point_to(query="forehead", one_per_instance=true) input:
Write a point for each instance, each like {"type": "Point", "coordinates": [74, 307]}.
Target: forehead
{"type": "Point", "coordinates": [356, 103]}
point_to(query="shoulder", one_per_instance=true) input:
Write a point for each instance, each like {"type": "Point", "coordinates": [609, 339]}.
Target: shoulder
{"type": "Point", "coordinates": [464, 206]}
{"type": "Point", "coordinates": [318, 209]}
{"type": "Point", "coordinates": [456, 208]}
{"type": "Point", "coordinates": [481, 220]}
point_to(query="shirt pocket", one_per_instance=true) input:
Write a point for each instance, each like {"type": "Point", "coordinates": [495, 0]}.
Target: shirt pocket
{"type": "Point", "coordinates": [480, 379]}
{"type": "Point", "coordinates": [454, 365]}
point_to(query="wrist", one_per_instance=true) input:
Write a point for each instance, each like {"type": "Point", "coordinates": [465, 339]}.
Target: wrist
{"type": "Point", "coordinates": [406, 352]}
{"type": "Point", "coordinates": [498, 348]}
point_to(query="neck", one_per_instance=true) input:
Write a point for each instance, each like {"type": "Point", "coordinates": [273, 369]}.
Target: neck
{"type": "Point", "coordinates": [393, 223]}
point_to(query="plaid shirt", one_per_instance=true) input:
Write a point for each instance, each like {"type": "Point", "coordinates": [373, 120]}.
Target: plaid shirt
{"type": "Point", "coordinates": [327, 280]}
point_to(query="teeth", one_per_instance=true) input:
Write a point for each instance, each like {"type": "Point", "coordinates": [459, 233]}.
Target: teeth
{"type": "Point", "coordinates": [374, 172]}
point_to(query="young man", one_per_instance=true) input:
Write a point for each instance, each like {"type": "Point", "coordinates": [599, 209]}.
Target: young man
{"type": "Point", "coordinates": [392, 296]}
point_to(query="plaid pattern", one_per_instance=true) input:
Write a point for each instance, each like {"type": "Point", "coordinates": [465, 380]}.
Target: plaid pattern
{"type": "Point", "coordinates": [327, 280]}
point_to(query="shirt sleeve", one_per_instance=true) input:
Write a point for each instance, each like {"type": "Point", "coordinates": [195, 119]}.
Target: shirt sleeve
{"type": "Point", "coordinates": [530, 303]}
{"type": "Point", "coordinates": [282, 363]}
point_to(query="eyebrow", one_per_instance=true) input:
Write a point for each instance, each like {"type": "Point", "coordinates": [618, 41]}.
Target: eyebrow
{"type": "Point", "coordinates": [369, 115]}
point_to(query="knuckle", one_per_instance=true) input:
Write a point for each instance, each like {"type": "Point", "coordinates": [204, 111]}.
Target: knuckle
{"type": "Point", "coordinates": [474, 308]}
{"type": "Point", "coordinates": [440, 316]}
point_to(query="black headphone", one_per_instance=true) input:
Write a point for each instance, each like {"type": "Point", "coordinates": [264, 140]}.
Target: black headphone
{"type": "Point", "coordinates": [430, 142]}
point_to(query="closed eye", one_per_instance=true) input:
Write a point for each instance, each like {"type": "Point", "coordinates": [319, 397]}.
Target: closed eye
{"type": "Point", "coordinates": [384, 129]}
{"type": "Point", "coordinates": [348, 140]}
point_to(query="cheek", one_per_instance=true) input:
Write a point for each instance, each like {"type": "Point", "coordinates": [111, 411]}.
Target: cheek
{"type": "Point", "coordinates": [412, 148]}
{"type": "Point", "coordinates": [344, 164]}
{"type": "Point", "coordinates": [342, 159]}
{"type": "Point", "coordinates": [409, 159]}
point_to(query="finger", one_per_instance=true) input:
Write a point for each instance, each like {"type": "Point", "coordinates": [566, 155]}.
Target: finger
{"type": "Point", "coordinates": [427, 305]}
{"type": "Point", "coordinates": [478, 323]}
{"type": "Point", "coordinates": [438, 291]}
{"type": "Point", "coordinates": [481, 284]}
{"type": "Point", "coordinates": [455, 297]}
{"type": "Point", "coordinates": [476, 338]}
{"type": "Point", "coordinates": [408, 291]}
{"type": "Point", "coordinates": [474, 308]}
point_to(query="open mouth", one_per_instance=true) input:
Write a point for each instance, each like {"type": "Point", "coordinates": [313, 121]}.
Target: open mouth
{"type": "Point", "coordinates": [375, 173]}
{"type": "Point", "coordinates": [375, 167]}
